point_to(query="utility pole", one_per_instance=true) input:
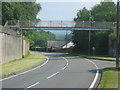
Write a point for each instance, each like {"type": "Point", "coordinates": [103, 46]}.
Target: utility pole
{"type": "Point", "coordinates": [89, 32]}
{"type": "Point", "coordinates": [66, 40]}
{"type": "Point", "coordinates": [117, 33]}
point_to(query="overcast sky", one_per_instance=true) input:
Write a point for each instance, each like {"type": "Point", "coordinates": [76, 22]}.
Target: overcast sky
{"type": "Point", "coordinates": [63, 10]}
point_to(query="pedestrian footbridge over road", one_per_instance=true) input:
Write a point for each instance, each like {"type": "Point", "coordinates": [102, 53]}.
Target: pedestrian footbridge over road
{"type": "Point", "coordinates": [61, 25]}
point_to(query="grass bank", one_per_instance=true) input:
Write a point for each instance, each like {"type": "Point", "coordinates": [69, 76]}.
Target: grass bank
{"type": "Point", "coordinates": [16, 66]}
{"type": "Point", "coordinates": [99, 57]}
{"type": "Point", "coordinates": [96, 57]}
{"type": "Point", "coordinates": [110, 78]}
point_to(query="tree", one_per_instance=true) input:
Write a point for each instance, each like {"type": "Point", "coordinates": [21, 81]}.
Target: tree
{"type": "Point", "coordinates": [23, 11]}
{"type": "Point", "coordinates": [105, 11]}
{"type": "Point", "coordinates": [82, 15]}
{"type": "Point", "coordinates": [19, 11]}
{"type": "Point", "coordinates": [80, 38]}
{"type": "Point", "coordinates": [101, 42]}
{"type": "Point", "coordinates": [68, 37]}
{"type": "Point", "coordinates": [41, 37]}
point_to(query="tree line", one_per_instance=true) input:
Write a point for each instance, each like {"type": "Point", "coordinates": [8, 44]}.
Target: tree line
{"type": "Point", "coordinates": [26, 11]}
{"type": "Point", "coordinates": [105, 11]}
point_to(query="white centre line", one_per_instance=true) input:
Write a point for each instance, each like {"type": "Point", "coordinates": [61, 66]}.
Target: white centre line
{"type": "Point", "coordinates": [58, 71]}
{"type": "Point", "coordinates": [52, 75]}
{"type": "Point", "coordinates": [32, 85]}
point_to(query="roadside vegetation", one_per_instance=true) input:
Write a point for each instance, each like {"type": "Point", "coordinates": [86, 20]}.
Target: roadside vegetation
{"type": "Point", "coordinates": [99, 39]}
{"type": "Point", "coordinates": [15, 66]}
{"type": "Point", "coordinates": [40, 38]}
{"type": "Point", "coordinates": [27, 11]}
{"type": "Point", "coordinates": [99, 57]}
{"type": "Point", "coordinates": [110, 78]}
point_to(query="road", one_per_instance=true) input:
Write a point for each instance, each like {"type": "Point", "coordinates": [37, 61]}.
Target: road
{"type": "Point", "coordinates": [60, 71]}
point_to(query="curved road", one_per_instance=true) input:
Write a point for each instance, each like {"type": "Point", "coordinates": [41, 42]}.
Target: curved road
{"type": "Point", "coordinates": [60, 71]}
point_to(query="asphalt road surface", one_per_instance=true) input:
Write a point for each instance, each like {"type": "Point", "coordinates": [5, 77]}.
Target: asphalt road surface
{"type": "Point", "coordinates": [60, 71]}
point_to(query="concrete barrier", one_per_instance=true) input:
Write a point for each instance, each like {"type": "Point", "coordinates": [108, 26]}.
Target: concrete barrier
{"type": "Point", "coordinates": [25, 47]}
{"type": "Point", "coordinates": [11, 45]}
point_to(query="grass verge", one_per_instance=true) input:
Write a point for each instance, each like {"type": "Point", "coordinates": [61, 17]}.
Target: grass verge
{"type": "Point", "coordinates": [99, 57]}
{"type": "Point", "coordinates": [15, 66]}
{"type": "Point", "coordinates": [110, 78]}
{"type": "Point", "coordinates": [96, 57]}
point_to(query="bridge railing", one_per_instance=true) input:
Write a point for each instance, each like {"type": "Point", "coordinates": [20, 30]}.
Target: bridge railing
{"type": "Point", "coordinates": [56, 24]}
{"type": "Point", "coordinates": [95, 24]}
{"type": "Point", "coordinates": [28, 23]}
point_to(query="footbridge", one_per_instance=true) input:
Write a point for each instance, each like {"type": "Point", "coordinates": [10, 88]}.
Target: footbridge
{"type": "Point", "coordinates": [60, 25]}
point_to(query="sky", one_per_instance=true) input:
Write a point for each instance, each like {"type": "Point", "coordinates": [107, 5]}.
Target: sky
{"type": "Point", "coordinates": [65, 10]}
{"type": "Point", "coordinates": [62, 9]}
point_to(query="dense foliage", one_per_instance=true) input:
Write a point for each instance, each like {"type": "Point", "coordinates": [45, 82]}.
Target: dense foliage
{"type": "Point", "coordinates": [19, 11]}
{"type": "Point", "coordinates": [25, 11]}
{"type": "Point", "coordinates": [68, 37]}
{"type": "Point", "coordinates": [105, 11]}
{"type": "Point", "coordinates": [41, 37]}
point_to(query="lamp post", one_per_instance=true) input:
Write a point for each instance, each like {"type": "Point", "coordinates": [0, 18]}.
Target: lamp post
{"type": "Point", "coordinates": [117, 33]}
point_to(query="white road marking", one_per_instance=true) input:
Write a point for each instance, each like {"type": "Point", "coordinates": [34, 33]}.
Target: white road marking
{"type": "Point", "coordinates": [66, 60]}
{"type": "Point", "coordinates": [63, 68]}
{"type": "Point", "coordinates": [52, 75]}
{"type": "Point", "coordinates": [67, 64]}
{"type": "Point", "coordinates": [32, 85]}
{"type": "Point", "coordinates": [26, 71]}
{"type": "Point", "coordinates": [96, 76]}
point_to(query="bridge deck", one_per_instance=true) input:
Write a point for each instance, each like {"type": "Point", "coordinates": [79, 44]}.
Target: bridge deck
{"type": "Point", "coordinates": [66, 28]}
{"type": "Point", "coordinates": [61, 25]}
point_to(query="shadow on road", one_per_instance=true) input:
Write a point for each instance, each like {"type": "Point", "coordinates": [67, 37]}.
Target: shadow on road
{"type": "Point", "coordinates": [95, 71]}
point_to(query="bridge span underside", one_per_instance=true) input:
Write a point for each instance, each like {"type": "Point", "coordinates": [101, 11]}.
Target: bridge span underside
{"type": "Point", "coordinates": [61, 25]}
{"type": "Point", "coordinates": [66, 28]}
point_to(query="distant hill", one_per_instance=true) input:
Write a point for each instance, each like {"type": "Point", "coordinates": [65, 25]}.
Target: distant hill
{"type": "Point", "coordinates": [60, 35]}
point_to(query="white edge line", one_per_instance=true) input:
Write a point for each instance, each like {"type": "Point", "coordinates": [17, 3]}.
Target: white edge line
{"type": "Point", "coordinates": [32, 85]}
{"type": "Point", "coordinates": [52, 75]}
{"type": "Point", "coordinates": [66, 60]}
{"type": "Point", "coordinates": [96, 76]}
{"type": "Point", "coordinates": [26, 71]}
{"type": "Point", "coordinates": [67, 63]}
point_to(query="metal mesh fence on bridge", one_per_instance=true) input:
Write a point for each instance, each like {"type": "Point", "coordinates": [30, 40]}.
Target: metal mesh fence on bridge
{"type": "Point", "coordinates": [61, 25]}
{"type": "Point", "coordinates": [82, 24]}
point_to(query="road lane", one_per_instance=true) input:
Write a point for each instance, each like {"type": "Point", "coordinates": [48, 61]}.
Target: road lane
{"type": "Point", "coordinates": [40, 74]}
{"type": "Point", "coordinates": [78, 74]}
{"type": "Point", "coordinates": [75, 72]}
